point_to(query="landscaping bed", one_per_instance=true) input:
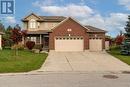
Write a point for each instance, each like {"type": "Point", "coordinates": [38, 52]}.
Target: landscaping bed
{"type": "Point", "coordinates": [116, 52]}
{"type": "Point", "coordinates": [25, 61]}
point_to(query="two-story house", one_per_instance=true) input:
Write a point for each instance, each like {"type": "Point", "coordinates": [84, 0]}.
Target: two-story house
{"type": "Point", "coordinates": [63, 33]}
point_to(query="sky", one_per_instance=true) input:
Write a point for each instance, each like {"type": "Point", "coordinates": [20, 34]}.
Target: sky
{"type": "Point", "coordinates": [110, 15]}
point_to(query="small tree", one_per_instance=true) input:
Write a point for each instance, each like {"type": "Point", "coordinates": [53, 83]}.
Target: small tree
{"type": "Point", "coordinates": [119, 39]}
{"type": "Point", "coordinates": [16, 36]}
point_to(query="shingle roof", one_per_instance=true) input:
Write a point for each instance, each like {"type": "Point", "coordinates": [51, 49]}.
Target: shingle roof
{"type": "Point", "coordinates": [94, 29]}
{"type": "Point", "coordinates": [1, 32]}
{"type": "Point", "coordinates": [52, 18]}
{"type": "Point", "coordinates": [47, 18]}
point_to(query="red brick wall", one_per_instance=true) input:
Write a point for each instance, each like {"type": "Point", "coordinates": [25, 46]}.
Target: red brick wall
{"type": "Point", "coordinates": [77, 30]}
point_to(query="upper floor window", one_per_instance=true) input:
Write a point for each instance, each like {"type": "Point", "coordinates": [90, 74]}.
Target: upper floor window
{"type": "Point", "coordinates": [32, 23]}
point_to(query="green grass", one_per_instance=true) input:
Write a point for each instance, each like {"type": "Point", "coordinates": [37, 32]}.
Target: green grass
{"type": "Point", "coordinates": [115, 51]}
{"type": "Point", "coordinates": [25, 61]}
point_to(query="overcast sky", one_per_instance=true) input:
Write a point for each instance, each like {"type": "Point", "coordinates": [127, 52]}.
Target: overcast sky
{"type": "Point", "coordinates": [110, 15]}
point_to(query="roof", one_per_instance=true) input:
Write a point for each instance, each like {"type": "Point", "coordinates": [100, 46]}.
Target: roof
{"type": "Point", "coordinates": [94, 29]}
{"type": "Point", "coordinates": [2, 33]}
{"type": "Point", "coordinates": [39, 32]}
{"type": "Point", "coordinates": [46, 18]}
{"type": "Point", "coordinates": [52, 18]}
{"type": "Point", "coordinates": [68, 19]}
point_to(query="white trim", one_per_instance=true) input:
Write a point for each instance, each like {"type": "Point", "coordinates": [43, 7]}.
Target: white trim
{"type": "Point", "coordinates": [30, 15]}
{"type": "Point", "coordinates": [32, 23]}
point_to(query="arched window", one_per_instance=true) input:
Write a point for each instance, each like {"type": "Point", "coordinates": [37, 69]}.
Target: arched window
{"type": "Point", "coordinates": [32, 23]}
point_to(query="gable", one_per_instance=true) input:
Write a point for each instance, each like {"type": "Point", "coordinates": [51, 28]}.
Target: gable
{"type": "Point", "coordinates": [69, 26]}
{"type": "Point", "coordinates": [69, 19]}
{"type": "Point", "coordinates": [32, 17]}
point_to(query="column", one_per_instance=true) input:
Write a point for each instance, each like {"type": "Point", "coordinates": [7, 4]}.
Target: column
{"type": "Point", "coordinates": [40, 39]}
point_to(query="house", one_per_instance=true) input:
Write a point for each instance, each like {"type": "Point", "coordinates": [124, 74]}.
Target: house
{"type": "Point", "coordinates": [1, 33]}
{"type": "Point", "coordinates": [63, 33]}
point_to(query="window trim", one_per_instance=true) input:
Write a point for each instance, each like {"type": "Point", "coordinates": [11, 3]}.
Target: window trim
{"type": "Point", "coordinates": [32, 23]}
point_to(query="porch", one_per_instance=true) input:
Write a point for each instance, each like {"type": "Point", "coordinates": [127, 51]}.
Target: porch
{"type": "Point", "coordinates": [41, 40]}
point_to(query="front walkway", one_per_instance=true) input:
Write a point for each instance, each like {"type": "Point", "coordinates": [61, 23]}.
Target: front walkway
{"type": "Point", "coordinates": [83, 61]}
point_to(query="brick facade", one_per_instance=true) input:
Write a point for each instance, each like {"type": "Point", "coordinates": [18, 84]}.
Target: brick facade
{"type": "Point", "coordinates": [62, 30]}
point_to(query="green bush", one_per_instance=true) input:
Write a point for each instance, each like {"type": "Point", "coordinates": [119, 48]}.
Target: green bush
{"type": "Point", "coordinates": [38, 46]}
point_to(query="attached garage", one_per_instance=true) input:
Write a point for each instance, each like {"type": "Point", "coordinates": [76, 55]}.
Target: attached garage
{"type": "Point", "coordinates": [95, 44]}
{"type": "Point", "coordinates": [70, 36]}
{"type": "Point", "coordinates": [69, 44]}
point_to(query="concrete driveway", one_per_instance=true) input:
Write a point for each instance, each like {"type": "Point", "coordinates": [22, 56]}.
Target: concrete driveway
{"type": "Point", "coordinates": [83, 61]}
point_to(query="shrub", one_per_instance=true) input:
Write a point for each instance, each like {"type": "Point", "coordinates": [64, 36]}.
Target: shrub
{"type": "Point", "coordinates": [119, 39]}
{"type": "Point", "coordinates": [30, 44]}
{"type": "Point", "coordinates": [18, 46]}
{"type": "Point", "coordinates": [38, 46]}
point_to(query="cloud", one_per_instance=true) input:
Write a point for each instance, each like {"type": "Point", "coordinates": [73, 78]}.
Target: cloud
{"type": "Point", "coordinates": [10, 20]}
{"type": "Point", "coordinates": [43, 2]}
{"type": "Point", "coordinates": [66, 10]}
{"type": "Point", "coordinates": [115, 22]}
{"type": "Point", "coordinates": [125, 3]}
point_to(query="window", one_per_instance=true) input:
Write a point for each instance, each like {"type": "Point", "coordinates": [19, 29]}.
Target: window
{"type": "Point", "coordinates": [33, 39]}
{"type": "Point", "coordinates": [32, 23]}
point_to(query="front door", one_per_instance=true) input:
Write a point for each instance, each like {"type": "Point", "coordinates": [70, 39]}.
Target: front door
{"type": "Point", "coordinates": [46, 41]}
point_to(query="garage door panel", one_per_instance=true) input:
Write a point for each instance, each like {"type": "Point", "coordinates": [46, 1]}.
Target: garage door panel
{"type": "Point", "coordinates": [95, 44]}
{"type": "Point", "coordinates": [68, 45]}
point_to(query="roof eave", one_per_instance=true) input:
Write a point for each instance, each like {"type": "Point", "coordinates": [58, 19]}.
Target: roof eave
{"type": "Point", "coordinates": [96, 32]}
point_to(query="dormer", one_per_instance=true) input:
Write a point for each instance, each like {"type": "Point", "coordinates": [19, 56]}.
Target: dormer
{"type": "Point", "coordinates": [31, 22]}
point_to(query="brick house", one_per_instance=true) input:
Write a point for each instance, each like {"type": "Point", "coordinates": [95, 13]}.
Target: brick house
{"type": "Point", "coordinates": [63, 33]}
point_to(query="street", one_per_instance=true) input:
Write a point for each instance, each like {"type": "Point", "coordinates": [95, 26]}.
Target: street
{"type": "Point", "coordinates": [69, 79]}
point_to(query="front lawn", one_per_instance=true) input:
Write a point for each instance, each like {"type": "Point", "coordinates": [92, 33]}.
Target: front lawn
{"type": "Point", "coordinates": [115, 51]}
{"type": "Point", "coordinates": [24, 62]}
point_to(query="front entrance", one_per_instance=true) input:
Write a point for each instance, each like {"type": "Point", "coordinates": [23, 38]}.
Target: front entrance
{"type": "Point", "coordinates": [46, 41]}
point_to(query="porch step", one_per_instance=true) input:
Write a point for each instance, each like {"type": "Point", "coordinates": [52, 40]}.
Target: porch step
{"type": "Point", "coordinates": [45, 48]}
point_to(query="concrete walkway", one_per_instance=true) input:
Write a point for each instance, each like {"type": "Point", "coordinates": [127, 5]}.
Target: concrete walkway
{"type": "Point", "coordinates": [83, 61]}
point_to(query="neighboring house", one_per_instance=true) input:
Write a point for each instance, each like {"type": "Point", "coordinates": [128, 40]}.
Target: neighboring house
{"type": "Point", "coordinates": [1, 33]}
{"type": "Point", "coordinates": [63, 34]}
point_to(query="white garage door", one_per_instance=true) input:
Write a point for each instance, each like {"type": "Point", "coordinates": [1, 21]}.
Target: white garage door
{"type": "Point", "coordinates": [95, 44]}
{"type": "Point", "coordinates": [69, 44]}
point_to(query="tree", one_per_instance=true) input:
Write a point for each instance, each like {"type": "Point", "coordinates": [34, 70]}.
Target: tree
{"type": "Point", "coordinates": [2, 28]}
{"type": "Point", "coordinates": [16, 36]}
{"type": "Point", "coordinates": [125, 48]}
{"type": "Point", "coordinates": [127, 29]}
{"type": "Point", "coordinates": [119, 39]}
{"type": "Point", "coordinates": [6, 37]}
